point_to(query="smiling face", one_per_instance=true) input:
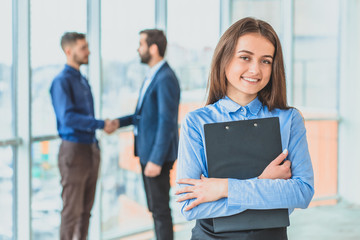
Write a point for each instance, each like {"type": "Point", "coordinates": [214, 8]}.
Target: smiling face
{"type": "Point", "coordinates": [249, 70]}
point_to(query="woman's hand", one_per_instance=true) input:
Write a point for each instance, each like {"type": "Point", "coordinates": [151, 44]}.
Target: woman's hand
{"type": "Point", "coordinates": [203, 189]}
{"type": "Point", "coordinates": [276, 170]}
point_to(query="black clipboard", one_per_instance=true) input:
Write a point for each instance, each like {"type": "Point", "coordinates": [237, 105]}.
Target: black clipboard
{"type": "Point", "coordinates": [242, 150]}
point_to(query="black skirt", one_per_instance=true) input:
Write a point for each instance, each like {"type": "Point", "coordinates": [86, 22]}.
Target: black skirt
{"type": "Point", "coordinates": [204, 230]}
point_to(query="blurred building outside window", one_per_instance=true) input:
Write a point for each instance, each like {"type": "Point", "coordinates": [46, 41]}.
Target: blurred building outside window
{"type": "Point", "coordinates": [6, 122]}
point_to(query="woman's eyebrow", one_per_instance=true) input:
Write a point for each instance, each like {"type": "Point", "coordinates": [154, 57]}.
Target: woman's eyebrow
{"type": "Point", "coordinates": [251, 53]}
{"type": "Point", "coordinates": [246, 51]}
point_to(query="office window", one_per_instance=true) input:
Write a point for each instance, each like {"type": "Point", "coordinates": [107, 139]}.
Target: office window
{"type": "Point", "coordinates": [121, 22]}
{"type": "Point", "coordinates": [267, 10]}
{"type": "Point", "coordinates": [49, 20]}
{"type": "Point", "coordinates": [6, 103]}
{"type": "Point", "coordinates": [46, 190]}
{"type": "Point", "coordinates": [6, 193]}
{"type": "Point", "coordinates": [123, 203]}
{"type": "Point", "coordinates": [6, 123]}
{"type": "Point", "coordinates": [193, 33]}
{"type": "Point", "coordinates": [316, 54]}
{"type": "Point", "coordinates": [315, 86]}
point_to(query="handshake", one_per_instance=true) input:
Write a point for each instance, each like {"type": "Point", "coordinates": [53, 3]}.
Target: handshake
{"type": "Point", "coordinates": [111, 125]}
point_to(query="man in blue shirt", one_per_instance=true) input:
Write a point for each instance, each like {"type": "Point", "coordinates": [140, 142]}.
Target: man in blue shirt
{"type": "Point", "coordinates": [79, 154]}
{"type": "Point", "coordinates": [156, 128]}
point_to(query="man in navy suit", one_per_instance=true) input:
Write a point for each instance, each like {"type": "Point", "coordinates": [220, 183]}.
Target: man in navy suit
{"type": "Point", "coordinates": [155, 128]}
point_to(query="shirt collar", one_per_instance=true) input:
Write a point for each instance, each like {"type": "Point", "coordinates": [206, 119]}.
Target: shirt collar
{"type": "Point", "coordinates": [72, 70]}
{"type": "Point", "coordinates": [230, 106]}
{"type": "Point", "coordinates": [155, 69]}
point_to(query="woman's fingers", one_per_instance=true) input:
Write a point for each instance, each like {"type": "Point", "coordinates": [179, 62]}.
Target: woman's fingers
{"type": "Point", "coordinates": [193, 204]}
{"type": "Point", "coordinates": [279, 159]}
{"type": "Point", "coordinates": [186, 197]}
{"type": "Point", "coordinates": [279, 168]}
{"type": "Point", "coordinates": [202, 190]}
{"type": "Point", "coordinates": [287, 164]}
{"type": "Point", "coordinates": [184, 190]}
{"type": "Point", "coordinates": [188, 181]}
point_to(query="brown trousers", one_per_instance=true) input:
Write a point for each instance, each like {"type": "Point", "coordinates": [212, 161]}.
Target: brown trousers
{"type": "Point", "coordinates": [79, 166]}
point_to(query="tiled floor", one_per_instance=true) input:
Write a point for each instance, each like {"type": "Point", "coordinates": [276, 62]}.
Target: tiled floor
{"type": "Point", "coordinates": [337, 222]}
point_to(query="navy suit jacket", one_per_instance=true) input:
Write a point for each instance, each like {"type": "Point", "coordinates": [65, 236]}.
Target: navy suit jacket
{"type": "Point", "coordinates": [157, 119]}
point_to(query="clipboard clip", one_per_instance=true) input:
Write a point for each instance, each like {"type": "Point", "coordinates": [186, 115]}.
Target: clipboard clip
{"type": "Point", "coordinates": [227, 127]}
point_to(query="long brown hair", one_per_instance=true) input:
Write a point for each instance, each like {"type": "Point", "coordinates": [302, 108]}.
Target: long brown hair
{"type": "Point", "coordinates": [273, 95]}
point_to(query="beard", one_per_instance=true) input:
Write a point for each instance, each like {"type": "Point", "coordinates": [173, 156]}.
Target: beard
{"type": "Point", "coordinates": [145, 58]}
{"type": "Point", "coordinates": [80, 61]}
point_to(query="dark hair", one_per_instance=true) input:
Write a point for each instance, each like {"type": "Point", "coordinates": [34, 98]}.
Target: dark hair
{"type": "Point", "coordinates": [156, 36]}
{"type": "Point", "coordinates": [70, 38]}
{"type": "Point", "coordinates": [273, 95]}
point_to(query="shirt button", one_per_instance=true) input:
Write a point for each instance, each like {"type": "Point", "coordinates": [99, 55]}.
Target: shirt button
{"type": "Point", "coordinates": [241, 110]}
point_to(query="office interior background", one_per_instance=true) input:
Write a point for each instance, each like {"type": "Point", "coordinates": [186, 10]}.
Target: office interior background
{"type": "Point", "coordinates": [321, 44]}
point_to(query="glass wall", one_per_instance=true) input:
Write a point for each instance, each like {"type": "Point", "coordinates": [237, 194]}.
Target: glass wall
{"type": "Point", "coordinates": [316, 87]}
{"type": "Point", "coordinates": [49, 20]}
{"type": "Point", "coordinates": [267, 10]}
{"type": "Point", "coordinates": [6, 70]}
{"type": "Point", "coordinates": [316, 54]}
{"type": "Point", "coordinates": [46, 190]}
{"type": "Point", "coordinates": [191, 46]}
{"type": "Point", "coordinates": [6, 123]}
{"type": "Point", "coordinates": [123, 203]}
{"type": "Point", "coordinates": [6, 193]}
{"type": "Point", "coordinates": [122, 71]}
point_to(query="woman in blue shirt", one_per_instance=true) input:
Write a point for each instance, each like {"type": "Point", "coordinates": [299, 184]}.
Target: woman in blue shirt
{"type": "Point", "coordinates": [247, 81]}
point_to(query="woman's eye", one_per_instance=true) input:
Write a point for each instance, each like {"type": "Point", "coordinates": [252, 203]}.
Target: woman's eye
{"type": "Point", "coordinates": [244, 58]}
{"type": "Point", "coordinates": [266, 61]}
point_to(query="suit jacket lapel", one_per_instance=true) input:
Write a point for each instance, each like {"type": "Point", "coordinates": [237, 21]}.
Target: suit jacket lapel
{"type": "Point", "coordinates": [151, 86]}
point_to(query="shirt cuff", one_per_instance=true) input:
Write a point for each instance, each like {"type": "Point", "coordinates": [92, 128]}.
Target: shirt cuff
{"type": "Point", "coordinates": [100, 124]}
{"type": "Point", "coordinates": [157, 162]}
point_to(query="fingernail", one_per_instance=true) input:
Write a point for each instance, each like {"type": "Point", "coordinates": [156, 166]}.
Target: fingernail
{"type": "Point", "coordinates": [285, 151]}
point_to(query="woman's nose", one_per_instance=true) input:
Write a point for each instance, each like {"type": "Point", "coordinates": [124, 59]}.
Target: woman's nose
{"type": "Point", "coordinates": [254, 67]}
